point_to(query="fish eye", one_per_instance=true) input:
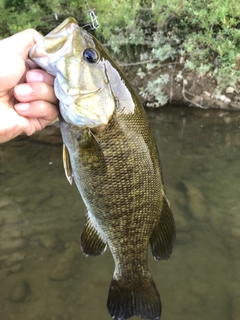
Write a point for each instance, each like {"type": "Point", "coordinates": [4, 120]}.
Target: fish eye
{"type": "Point", "coordinates": [90, 55]}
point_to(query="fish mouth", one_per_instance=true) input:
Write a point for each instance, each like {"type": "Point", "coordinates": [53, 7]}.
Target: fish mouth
{"type": "Point", "coordinates": [54, 40]}
{"type": "Point", "coordinates": [57, 38]}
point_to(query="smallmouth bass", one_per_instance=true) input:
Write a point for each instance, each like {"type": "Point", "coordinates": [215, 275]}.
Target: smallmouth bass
{"type": "Point", "coordinates": [109, 151]}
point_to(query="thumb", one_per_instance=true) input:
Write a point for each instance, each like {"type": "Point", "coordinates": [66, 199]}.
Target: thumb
{"type": "Point", "coordinates": [13, 56]}
{"type": "Point", "coordinates": [21, 42]}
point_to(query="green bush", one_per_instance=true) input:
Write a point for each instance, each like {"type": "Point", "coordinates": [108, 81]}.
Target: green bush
{"type": "Point", "coordinates": [16, 15]}
{"type": "Point", "coordinates": [205, 33]}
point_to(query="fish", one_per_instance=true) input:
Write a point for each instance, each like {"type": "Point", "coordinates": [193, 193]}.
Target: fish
{"type": "Point", "coordinates": [110, 153]}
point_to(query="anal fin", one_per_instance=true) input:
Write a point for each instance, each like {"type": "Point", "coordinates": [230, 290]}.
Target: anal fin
{"type": "Point", "coordinates": [91, 241]}
{"type": "Point", "coordinates": [163, 237]}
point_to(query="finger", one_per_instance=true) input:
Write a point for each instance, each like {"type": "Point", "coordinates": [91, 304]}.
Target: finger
{"type": "Point", "coordinates": [38, 109]}
{"type": "Point", "coordinates": [39, 75]}
{"type": "Point", "coordinates": [28, 92]}
{"type": "Point", "coordinates": [14, 52]}
{"type": "Point", "coordinates": [35, 124]}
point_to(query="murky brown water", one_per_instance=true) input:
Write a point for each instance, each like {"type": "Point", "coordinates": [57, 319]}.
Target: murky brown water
{"type": "Point", "coordinates": [44, 275]}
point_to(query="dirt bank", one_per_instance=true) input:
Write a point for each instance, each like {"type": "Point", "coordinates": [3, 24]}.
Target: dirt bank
{"type": "Point", "coordinates": [187, 88]}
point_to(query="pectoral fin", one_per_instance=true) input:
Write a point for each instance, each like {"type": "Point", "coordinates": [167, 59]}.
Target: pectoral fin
{"type": "Point", "coordinates": [91, 241]}
{"type": "Point", "coordinates": [163, 237]}
{"type": "Point", "coordinates": [67, 164]}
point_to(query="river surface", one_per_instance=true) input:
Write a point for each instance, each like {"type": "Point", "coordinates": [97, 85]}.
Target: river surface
{"type": "Point", "coordinates": [45, 276]}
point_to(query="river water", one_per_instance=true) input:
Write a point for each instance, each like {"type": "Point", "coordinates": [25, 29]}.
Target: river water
{"type": "Point", "coordinates": [45, 276]}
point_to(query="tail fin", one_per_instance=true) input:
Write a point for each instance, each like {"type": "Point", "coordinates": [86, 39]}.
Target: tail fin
{"type": "Point", "coordinates": [141, 299]}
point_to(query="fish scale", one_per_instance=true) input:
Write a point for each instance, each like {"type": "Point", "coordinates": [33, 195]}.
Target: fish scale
{"type": "Point", "coordinates": [110, 153]}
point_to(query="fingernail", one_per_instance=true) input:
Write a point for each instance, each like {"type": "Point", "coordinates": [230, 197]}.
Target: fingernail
{"type": "Point", "coordinates": [33, 76]}
{"type": "Point", "coordinates": [23, 90]}
{"type": "Point", "coordinates": [21, 106]}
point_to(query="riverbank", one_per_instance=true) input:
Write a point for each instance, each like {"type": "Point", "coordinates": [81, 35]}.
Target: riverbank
{"type": "Point", "coordinates": [185, 87]}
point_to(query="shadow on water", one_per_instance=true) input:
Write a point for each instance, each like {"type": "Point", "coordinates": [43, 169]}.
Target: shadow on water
{"type": "Point", "coordinates": [44, 275]}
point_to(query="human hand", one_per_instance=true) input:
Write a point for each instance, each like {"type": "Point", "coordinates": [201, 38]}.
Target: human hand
{"type": "Point", "coordinates": [27, 99]}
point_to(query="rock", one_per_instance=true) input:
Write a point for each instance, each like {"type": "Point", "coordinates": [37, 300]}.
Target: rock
{"type": "Point", "coordinates": [183, 238]}
{"type": "Point", "coordinates": [47, 316]}
{"type": "Point", "coordinates": [181, 223]}
{"type": "Point", "coordinates": [227, 100]}
{"type": "Point", "coordinates": [224, 99]}
{"type": "Point", "coordinates": [227, 120]}
{"type": "Point", "coordinates": [19, 291]}
{"type": "Point", "coordinates": [235, 298]}
{"type": "Point", "coordinates": [14, 258]}
{"type": "Point", "coordinates": [48, 241]}
{"type": "Point", "coordinates": [15, 234]}
{"type": "Point", "coordinates": [223, 114]}
{"type": "Point", "coordinates": [236, 309]}
{"type": "Point", "coordinates": [196, 203]}
{"type": "Point", "coordinates": [181, 60]}
{"type": "Point", "coordinates": [34, 243]}
{"type": "Point", "coordinates": [3, 257]}
{"type": "Point", "coordinates": [65, 267]}
{"type": "Point", "coordinates": [1, 222]}
{"type": "Point", "coordinates": [8, 244]}
{"type": "Point", "coordinates": [230, 90]}
{"type": "Point", "coordinates": [237, 98]}
{"type": "Point", "coordinates": [206, 93]}
{"type": "Point", "coordinates": [221, 97]}
{"type": "Point", "coordinates": [236, 231]}
{"type": "Point", "coordinates": [3, 274]}
{"type": "Point", "coordinates": [5, 202]}
{"type": "Point", "coordinates": [198, 286]}
{"type": "Point", "coordinates": [16, 268]}
{"type": "Point", "coordinates": [53, 317]}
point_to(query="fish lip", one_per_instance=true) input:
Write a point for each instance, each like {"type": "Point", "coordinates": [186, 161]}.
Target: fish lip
{"type": "Point", "coordinates": [69, 24]}
{"type": "Point", "coordinates": [64, 30]}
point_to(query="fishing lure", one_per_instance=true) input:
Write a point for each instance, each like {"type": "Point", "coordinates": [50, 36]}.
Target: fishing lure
{"type": "Point", "coordinates": [94, 19]}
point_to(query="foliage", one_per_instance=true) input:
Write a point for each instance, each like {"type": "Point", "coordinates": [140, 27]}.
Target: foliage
{"type": "Point", "coordinates": [16, 15]}
{"type": "Point", "coordinates": [209, 34]}
{"type": "Point", "coordinates": [153, 93]}
{"type": "Point", "coordinates": [205, 33]}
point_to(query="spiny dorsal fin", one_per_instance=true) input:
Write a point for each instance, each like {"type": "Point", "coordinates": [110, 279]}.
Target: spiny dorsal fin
{"type": "Point", "coordinates": [163, 237]}
{"type": "Point", "coordinates": [67, 164]}
{"type": "Point", "coordinates": [91, 241]}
